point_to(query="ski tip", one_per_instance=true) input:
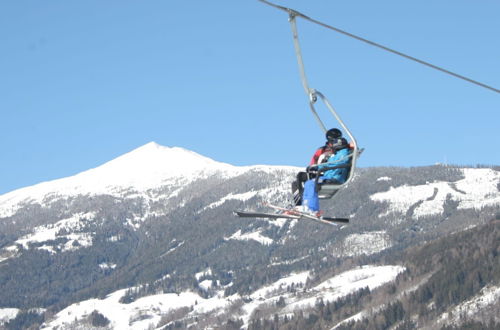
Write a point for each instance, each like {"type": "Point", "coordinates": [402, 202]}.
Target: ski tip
{"type": "Point", "coordinates": [340, 220]}
{"type": "Point", "coordinates": [240, 213]}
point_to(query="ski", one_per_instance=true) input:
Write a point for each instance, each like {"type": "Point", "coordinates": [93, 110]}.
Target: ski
{"type": "Point", "coordinates": [333, 219]}
{"type": "Point", "coordinates": [252, 214]}
{"type": "Point", "coordinates": [290, 214]}
{"type": "Point", "coordinates": [321, 219]}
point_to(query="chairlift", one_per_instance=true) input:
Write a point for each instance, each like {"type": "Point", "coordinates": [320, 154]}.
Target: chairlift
{"type": "Point", "coordinates": [325, 190]}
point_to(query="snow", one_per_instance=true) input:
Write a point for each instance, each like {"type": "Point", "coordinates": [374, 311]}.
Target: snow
{"type": "Point", "coordinates": [140, 314]}
{"type": "Point", "coordinates": [7, 314]}
{"type": "Point", "coordinates": [115, 238]}
{"type": "Point", "coordinates": [330, 290]}
{"type": "Point", "coordinates": [365, 243]}
{"type": "Point", "coordinates": [51, 232]}
{"type": "Point", "coordinates": [256, 236]}
{"type": "Point", "coordinates": [120, 314]}
{"type": "Point", "coordinates": [341, 285]}
{"type": "Point", "coordinates": [8, 252]}
{"type": "Point", "coordinates": [267, 194]}
{"type": "Point", "coordinates": [287, 262]}
{"type": "Point", "coordinates": [242, 197]}
{"type": "Point", "coordinates": [481, 186]}
{"type": "Point", "coordinates": [142, 171]}
{"type": "Point", "coordinates": [138, 173]}
{"type": "Point", "coordinates": [147, 167]}
{"type": "Point", "coordinates": [206, 272]}
{"type": "Point", "coordinates": [478, 189]}
{"type": "Point", "coordinates": [489, 296]}
{"type": "Point", "coordinates": [356, 317]}
{"type": "Point", "coordinates": [148, 311]}
{"type": "Point", "coordinates": [280, 222]}
{"type": "Point", "coordinates": [206, 284]}
{"type": "Point", "coordinates": [63, 229]}
{"type": "Point", "coordinates": [173, 249]}
{"type": "Point", "coordinates": [365, 276]}
{"type": "Point", "coordinates": [282, 284]}
{"type": "Point", "coordinates": [106, 266]}
{"type": "Point", "coordinates": [271, 293]}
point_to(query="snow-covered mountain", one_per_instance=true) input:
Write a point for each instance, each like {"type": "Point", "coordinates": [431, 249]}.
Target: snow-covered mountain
{"type": "Point", "coordinates": [144, 169]}
{"type": "Point", "coordinates": [159, 178]}
{"type": "Point", "coordinates": [150, 236]}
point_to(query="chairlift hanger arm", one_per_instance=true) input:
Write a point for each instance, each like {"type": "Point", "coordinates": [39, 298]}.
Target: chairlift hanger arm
{"type": "Point", "coordinates": [314, 95]}
{"type": "Point", "coordinates": [295, 13]}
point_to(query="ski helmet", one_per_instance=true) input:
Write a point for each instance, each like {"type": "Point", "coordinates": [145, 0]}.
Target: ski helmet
{"type": "Point", "coordinates": [333, 133]}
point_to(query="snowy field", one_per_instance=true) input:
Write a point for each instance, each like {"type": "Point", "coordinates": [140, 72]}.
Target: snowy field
{"type": "Point", "coordinates": [148, 311]}
{"type": "Point", "coordinates": [478, 189]}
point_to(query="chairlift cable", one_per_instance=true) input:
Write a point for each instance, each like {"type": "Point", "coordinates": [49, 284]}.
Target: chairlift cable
{"type": "Point", "coordinates": [294, 13]}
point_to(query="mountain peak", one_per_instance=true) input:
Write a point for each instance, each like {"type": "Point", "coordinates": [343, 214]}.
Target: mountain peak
{"type": "Point", "coordinates": [151, 165]}
{"type": "Point", "coordinates": [154, 162]}
{"type": "Point", "coordinates": [147, 167]}
{"type": "Point", "coordinates": [154, 147]}
{"type": "Point", "coordinates": [151, 145]}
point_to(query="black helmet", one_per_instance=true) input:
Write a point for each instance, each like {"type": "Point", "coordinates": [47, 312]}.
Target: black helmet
{"type": "Point", "coordinates": [333, 133]}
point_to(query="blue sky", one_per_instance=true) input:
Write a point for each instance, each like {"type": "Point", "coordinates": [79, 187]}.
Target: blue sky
{"type": "Point", "coordinates": [83, 82]}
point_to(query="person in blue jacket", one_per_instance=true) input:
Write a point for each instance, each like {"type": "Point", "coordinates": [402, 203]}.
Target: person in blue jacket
{"type": "Point", "coordinates": [321, 155]}
{"type": "Point", "coordinates": [341, 156]}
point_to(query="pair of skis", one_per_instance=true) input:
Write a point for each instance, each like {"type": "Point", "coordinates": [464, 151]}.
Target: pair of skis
{"type": "Point", "coordinates": [285, 213]}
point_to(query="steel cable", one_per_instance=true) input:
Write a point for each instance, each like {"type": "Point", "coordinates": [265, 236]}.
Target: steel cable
{"type": "Point", "coordinates": [372, 43]}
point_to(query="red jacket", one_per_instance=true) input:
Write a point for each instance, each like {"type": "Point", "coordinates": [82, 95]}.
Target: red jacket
{"type": "Point", "coordinates": [318, 153]}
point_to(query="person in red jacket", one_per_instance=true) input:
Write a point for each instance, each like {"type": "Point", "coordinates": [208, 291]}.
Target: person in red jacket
{"type": "Point", "coordinates": [320, 156]}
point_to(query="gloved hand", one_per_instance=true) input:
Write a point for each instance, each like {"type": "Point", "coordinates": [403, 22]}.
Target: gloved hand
{"type": "Point", "coordinates": [312, 168]}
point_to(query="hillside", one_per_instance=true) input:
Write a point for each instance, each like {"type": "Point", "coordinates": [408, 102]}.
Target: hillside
{"type": "Point", "coordinates": [151, 235]}
{"type": "Point", "coordinates": [449, 283]}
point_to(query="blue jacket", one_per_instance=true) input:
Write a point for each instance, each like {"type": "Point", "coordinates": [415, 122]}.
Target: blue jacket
{"type": "Point", "coordinates": [341, 157]}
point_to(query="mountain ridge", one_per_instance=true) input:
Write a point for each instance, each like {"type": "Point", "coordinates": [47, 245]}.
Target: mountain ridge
{"type": "Point", "coordinates": [147, 167]}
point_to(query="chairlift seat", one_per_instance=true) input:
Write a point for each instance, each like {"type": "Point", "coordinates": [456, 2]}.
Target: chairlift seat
{"type": "Point", "coordinates": [328, 189]}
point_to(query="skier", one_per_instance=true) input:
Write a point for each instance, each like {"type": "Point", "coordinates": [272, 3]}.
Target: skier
{"type": "Point", "coordinates": [334, 173]}
{"type": "Point", "coordinates": [321, 155]}
{"type": "Point", "coordinates": [338, 155]}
